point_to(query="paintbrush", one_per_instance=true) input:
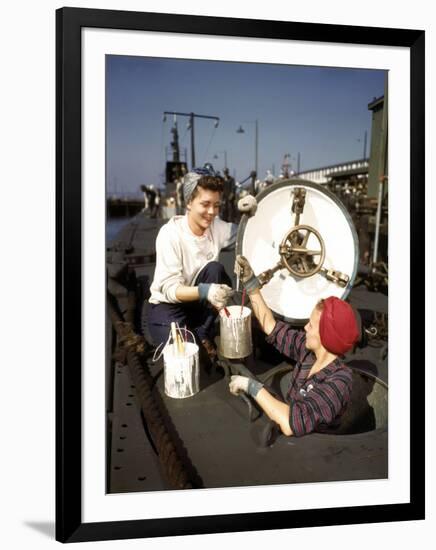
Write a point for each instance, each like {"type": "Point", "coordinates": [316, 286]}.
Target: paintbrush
{"type": "Point", "coordinates": [180, 343]}
{"type": "Point", "coordinates": [174, 336]}
{"type": "Point", "coordinates": [177, 341]}
{"type": "Point", "coordinates": [242, 302]}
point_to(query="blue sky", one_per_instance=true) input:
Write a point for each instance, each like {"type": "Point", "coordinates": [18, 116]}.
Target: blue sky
{"type": "Point", "coordinates": [321, 113]}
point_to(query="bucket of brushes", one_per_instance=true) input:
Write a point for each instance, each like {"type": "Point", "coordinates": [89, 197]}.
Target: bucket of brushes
{"type": "Point", "coordinates": [235, 331]}
{"type": "Point", "coordinates": [181, 364]}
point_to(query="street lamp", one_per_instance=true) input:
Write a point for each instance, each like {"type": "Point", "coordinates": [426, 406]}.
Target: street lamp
{"type": "Point", "coordinates": [241, 130]}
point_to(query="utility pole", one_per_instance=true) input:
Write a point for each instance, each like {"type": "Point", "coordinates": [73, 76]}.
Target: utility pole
{"type": "Point", "coordinates": [175, 142]}
{"type": "Point", "coordinates": [256, 167]}
{"type": "Point", "coordinates": [365, 137]}
{"type": "Point", "coordinates": [191, 117]}
{"type": "Point", "coordinates": [191, 127]}
{"type": "Point", "coordinates": [382, 166]}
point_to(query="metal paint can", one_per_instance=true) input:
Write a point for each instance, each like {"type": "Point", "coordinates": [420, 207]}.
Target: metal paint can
{"type": "Point", "coordinates": [181, 371]}
{"type": "Point", "coordinates": [235, 333]}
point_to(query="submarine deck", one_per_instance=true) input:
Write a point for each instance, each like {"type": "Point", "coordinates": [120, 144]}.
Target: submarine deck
{"type": "Point", "coordinates": [219, 445]}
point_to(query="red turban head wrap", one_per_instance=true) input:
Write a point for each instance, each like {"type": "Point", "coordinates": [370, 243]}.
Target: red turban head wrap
{"type": "Point", "coordinates": [338, 326]}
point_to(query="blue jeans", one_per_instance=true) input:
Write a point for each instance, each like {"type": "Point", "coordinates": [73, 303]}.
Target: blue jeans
{"type": "Point", "coordinates": [198, 317]}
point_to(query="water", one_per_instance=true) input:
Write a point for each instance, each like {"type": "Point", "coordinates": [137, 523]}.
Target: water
{"type": "Point", "coordinates": [113, 227]}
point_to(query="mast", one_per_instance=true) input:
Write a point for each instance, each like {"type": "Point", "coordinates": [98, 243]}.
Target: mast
{"type": "Point", "coordinates": [175, 141]}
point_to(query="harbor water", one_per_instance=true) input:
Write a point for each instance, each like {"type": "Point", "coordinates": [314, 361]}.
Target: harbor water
{"type": "Point", "coordinates": [113, 226]}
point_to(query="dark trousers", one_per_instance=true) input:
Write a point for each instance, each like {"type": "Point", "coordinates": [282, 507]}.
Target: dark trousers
{"type": "Point", "coordinates": [197, 317]}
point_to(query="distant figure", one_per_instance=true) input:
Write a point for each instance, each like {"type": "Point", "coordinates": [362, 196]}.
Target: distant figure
{"type": "Point", "coordinates": [228, 204]}
{"type": "Point", "coordinates": [157, 201]}
{"type": "Point", "coordinates": [259, 186]}
{"type": "Point", "coordinates": [151, 194]}
{"type": "Point", "coordinates": [145, 192]}
{"type": "Point", "coordinates": [253, 177]}
{"type": "Point", "coordinates": [269, 178]}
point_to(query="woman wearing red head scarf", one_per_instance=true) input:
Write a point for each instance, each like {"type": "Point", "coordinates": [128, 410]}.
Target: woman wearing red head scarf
{"type": "Point", "coordinates": [320, 384]}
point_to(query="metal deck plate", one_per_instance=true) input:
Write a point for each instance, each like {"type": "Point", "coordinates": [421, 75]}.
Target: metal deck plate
{"type": "Point", "coordinates": [134, 465]}
{"type": "Point", "coordinates": [225, 447]}
{"type": "Point", "coordinates": [214, 430]}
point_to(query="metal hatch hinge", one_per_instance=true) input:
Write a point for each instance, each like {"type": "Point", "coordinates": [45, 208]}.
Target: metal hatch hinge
{"type": "Point", "coordinates": [298, 202]}
{"type": "Point", "coordinates": [341, 279]}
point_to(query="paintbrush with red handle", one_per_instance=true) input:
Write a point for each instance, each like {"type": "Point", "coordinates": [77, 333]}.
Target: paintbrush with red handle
{"type": "Point", "coordinates": [226, 311]}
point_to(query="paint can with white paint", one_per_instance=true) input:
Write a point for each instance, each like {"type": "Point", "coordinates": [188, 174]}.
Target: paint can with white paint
{"type": "Point", "coordinates": [181, 370]}
{"type": "Point", "coordinates": [235, 332]}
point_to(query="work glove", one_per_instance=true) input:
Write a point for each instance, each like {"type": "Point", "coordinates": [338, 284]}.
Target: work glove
{"type": "Point", "coordinates": [217, 295]}
{"type": "Point", "coordinates": [239, 384]}
{"type": "Point", "coordinates": [247, 205]}
{"type": "Point", "coordinates": [246, 274]}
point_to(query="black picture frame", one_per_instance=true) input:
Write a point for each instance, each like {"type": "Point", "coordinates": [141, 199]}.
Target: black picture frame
{"type": "Point", "coordinates": [69, 22]}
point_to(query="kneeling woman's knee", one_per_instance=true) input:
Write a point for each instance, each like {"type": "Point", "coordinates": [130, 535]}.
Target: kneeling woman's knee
{"type": "Point", "coordinates": [215, 268]}
{"type": "Point", "coordinates": [213, 272]}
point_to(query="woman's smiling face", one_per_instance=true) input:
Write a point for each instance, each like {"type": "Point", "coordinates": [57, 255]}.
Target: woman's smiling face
{"type": "Point", "coordinates": [202, 209]}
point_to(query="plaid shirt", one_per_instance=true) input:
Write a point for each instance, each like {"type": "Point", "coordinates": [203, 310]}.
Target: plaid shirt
{"type": "Point", "coordinates": [317, 402]}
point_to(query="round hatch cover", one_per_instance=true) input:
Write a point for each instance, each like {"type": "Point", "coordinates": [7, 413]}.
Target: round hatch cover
{"type": "Point", "coordinates": [308, 230]}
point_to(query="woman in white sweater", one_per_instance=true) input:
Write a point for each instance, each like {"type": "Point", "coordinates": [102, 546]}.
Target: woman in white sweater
{"type": "Point", "coordinates": [190, 286]}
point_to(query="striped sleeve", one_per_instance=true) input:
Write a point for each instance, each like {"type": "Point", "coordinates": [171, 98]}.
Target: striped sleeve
{"type": "Point", "coordinates": [322, 405]}
{"type": "Point", "coordinates": [287, 340]}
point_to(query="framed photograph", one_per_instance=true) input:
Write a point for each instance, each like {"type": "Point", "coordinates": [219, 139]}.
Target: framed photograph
{"type": "Point", "coordinates": [316, 122]}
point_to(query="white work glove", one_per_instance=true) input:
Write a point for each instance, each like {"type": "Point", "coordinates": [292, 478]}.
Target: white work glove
{"type": "Point", "coordinates": [217, 295]}
{"type": "Point", "coordinates": [247, 205]}
{"type": "Point", "coordinates": [239, 384]}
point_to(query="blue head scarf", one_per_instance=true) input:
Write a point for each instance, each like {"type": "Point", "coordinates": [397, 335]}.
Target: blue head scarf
{"type": "Point", "coordinates": [191, 179]}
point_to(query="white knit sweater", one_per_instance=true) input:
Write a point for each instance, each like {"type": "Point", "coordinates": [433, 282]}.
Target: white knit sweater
{"type": "Point", "coordinates": [181, 255]}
